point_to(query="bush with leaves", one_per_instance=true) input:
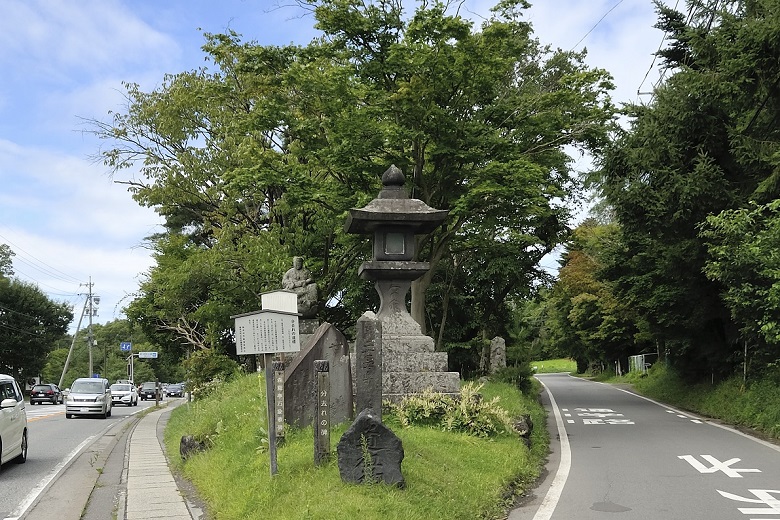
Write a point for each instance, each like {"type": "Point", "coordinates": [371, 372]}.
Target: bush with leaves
{"type": "Point", "coordinates": [518, 375]}
{"type": "Point", "coordinates": [469, 413]}
{"type": "Point", "coordinates": [208, 368]}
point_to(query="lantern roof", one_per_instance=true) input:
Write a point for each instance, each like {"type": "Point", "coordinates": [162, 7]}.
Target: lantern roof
{"type": "Point", "coordinates": [393, 207]}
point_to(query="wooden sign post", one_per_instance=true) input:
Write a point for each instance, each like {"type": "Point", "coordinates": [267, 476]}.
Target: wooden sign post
{"type": "Point", "coordinates": [269, 332]}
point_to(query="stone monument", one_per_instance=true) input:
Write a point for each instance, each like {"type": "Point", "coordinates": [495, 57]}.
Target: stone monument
{"type": "Point", "coordinates": [299, 280]}
{"type": "Point", "coordinates": [497, 354]}
{"type": "Point", "coordinates": [369, 452]}
{"type": "Point", "coordinates": [409, 363]}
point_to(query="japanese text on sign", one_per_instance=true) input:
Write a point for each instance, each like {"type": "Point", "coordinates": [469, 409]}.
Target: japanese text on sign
{"type": "Point", "coordinates": [265, 332]}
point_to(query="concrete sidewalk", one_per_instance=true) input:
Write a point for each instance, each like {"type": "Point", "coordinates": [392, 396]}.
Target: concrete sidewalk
{"type": "Point", "coordinates": [151, 489]}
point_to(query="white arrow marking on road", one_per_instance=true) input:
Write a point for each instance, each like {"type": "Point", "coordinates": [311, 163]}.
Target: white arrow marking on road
{"type": "Point", "coordinates": [717, 465]}
{"type": "Point", "coordinates": [763, 496]}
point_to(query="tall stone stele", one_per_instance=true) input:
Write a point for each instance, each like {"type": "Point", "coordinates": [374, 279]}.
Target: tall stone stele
{"type": "Point", "coordinates": [409, 362]}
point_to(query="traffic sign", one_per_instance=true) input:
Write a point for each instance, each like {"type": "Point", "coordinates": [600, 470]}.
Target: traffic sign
{"type": "Point", "coordinates": [147, 355]}
{"type": "Point", "coordinates": [125, 346]}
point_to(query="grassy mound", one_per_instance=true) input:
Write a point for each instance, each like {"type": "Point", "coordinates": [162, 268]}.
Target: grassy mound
{"type": "Point", "coordinates": [449, 475]}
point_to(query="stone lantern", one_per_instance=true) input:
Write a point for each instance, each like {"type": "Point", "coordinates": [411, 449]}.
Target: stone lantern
{"type": "Point", "coordinates": [409, 363]}
{"type": "Point", "coordinates": [393, 219]}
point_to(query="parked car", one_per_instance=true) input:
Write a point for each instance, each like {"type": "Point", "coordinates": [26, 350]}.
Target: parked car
{"type": "Point", "coordinates": [175, 390]}
{"type": "Point", "coordinates": [46, 393]}
{"type": "Point", "coordinates": [150, 390]}
{"type": "Point", "coordinates": [89, 396]}
{"type": "Point", "coordinates": [13, 421]}
{"type": "Point", "coordinates": [124, 393]}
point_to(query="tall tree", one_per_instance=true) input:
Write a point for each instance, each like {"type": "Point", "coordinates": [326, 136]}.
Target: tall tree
{"type": "Point", "coordinates": [266, 154]}
{"type": "Point", "coordinates": [606, 328]}
{"type": "Point", "coordinates": [6, 261]}
{"type": "Point", "coordinates": [708, 141]}
{"type": "Point", "coordinates": [742, 246]}
{"type": "Point", "coordinates": [30, 326]}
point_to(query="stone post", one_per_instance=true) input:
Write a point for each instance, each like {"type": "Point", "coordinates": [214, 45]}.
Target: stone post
{"type": "Point", "coordinates": [368, 365]}
{"type": "Point", "coordinates": [497, 355]}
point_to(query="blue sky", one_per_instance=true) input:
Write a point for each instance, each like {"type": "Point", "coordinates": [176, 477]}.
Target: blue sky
{"type": "Point", "coordinates": [64, 61]}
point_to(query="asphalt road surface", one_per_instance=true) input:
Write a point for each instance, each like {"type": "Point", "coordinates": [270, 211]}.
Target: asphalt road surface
{"type": "Point", "coordinates": [53, 442]}
{"type": "Point", "coordinates": [620, 456]}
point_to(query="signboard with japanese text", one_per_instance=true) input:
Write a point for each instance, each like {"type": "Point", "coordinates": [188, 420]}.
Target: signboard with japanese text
{"type": "Point", "coordinates": [266, 331]}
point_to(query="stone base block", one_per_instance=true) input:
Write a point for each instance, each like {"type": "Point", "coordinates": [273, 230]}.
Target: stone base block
{"type": "Point", "coordinates": [405, 361]}
{"type": "Point", "coordinates": [405, 383]}
{"type": "Point", "coordinates": [404, 343]}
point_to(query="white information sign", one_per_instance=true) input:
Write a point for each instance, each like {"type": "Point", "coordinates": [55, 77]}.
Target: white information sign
{"type": "Point", "coordinates": [147, 355]}
{"type": "Point", "coordinates": [266, 331]}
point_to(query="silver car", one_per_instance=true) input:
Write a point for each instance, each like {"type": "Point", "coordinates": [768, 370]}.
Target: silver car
{"type": "Point", "coordinates": [13, 421]}
{"type": "Point", "coordinates": [89, 396]}
{"type": "Point", "coordinates": [124, 393]}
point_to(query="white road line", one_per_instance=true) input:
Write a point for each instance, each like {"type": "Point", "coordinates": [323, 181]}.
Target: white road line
{"type": "Point", "coordinates": [550, 501]}
{"type": "Point", "coordinates": [33, 494]}
{"type": "Point", "coordinates": [711, 423]}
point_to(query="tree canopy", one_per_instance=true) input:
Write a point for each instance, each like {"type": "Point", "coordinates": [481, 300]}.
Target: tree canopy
{"type": "Point", "coordinates": [259, 159]}
{"type": "Point", "coordinates": [687, 185]}
{"type": "Point", "coordinates": [30, 326]}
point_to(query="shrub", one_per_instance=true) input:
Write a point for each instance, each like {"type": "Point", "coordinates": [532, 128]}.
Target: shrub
{"type": "Point", "coordinates": [469, 413]}
{"type": "Point", "coordinates": [518, 375]}
{"type": "Point", "coordinates": [207, 369]}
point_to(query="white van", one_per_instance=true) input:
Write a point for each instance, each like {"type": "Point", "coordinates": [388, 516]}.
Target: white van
{"type": "Point", "coordinates": [89, 396]}
{"type": "Point", "coordinates": [13, 421]}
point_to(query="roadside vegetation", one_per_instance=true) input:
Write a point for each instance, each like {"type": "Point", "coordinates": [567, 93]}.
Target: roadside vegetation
{"type": "Point", "coordinates": [552, 366]}
{"type": "Point", "coordinates": [449, 474]}
{"type": "Point", "coordinates": [752, 404]}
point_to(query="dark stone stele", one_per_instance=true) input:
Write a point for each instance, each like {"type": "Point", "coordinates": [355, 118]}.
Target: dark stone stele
{"type": "Point", "coordinates": [368, 436]}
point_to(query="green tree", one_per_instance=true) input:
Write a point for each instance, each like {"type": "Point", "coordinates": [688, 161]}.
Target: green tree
{"type": "Point", "coordinates": [606, 329]}
{"type": "Point", "coordinates": [742, 246]}
{"type": "Point", "coordinates": [707, 142]}
{"type": "Point", "coordinates": [30, 326]}
{"type": "Point", "coordinates": [260, 160]}
{"type": "Point", "coordinates": [6, 261]}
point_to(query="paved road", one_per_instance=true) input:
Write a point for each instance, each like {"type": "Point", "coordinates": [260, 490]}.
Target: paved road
{"type": "Point", "coordinates": [54, 441]}
{"type": "Point", "coordinates": [620, 456]}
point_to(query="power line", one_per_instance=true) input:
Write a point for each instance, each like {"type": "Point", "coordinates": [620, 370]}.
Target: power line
{"type": "Point", "coordinates": [596, 25]}
{"type": "Point", "coordinates": [47, 269]}
{"type": "Point", "coordinates": [21, 331]}
{"type": "Point", "coordinates": [59, 291]}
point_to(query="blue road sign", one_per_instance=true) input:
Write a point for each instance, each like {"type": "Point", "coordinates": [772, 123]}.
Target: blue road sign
{"type": "Point", "coordinates": [125, 346]}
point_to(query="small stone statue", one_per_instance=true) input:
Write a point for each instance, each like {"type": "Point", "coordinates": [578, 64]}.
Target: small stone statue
{"type": "Point", "coordinates": [299, 280]}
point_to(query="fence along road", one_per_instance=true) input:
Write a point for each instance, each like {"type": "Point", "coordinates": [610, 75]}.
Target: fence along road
{"type": "Point", "coordinates": [621, 456]}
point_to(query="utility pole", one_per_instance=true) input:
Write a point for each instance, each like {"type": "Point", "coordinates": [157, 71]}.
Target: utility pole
{"type": "Point", "coordinates": [72, 343]}
{"type": "Point", "coordinates": [93, 301]}
{"type": "Point", "coordinates": [89, 327]}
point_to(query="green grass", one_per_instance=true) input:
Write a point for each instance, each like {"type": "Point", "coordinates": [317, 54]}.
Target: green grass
{"type": "Point", "coordinates": [550, 366]}
{"type": "Point", "coordinates": [755, 405]}
{"type": "Point", "coordinates": [448, 475]}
